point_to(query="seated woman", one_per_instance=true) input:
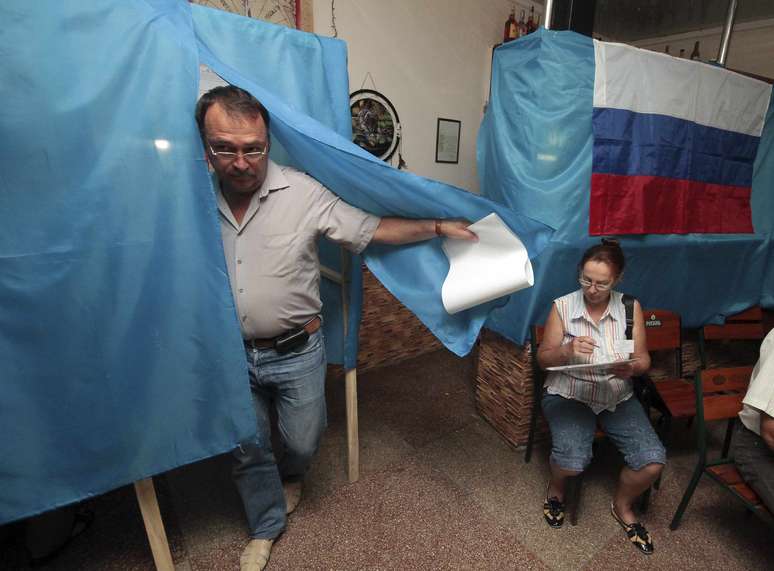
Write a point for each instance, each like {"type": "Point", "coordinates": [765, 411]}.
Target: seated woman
{"type": "Point", "coordinates": [589, 326]}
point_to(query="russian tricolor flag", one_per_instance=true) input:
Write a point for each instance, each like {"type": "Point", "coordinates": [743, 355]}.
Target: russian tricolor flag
{"type": "Point", "coordinates": [674, 144]}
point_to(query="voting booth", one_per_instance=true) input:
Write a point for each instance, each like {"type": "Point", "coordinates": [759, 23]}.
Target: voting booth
{"type": "Point", "coordinates": [121, 352]}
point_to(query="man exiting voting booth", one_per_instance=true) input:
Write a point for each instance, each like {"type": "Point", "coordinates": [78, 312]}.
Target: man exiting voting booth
{"type": "Point", "coordinates": [270, 219]}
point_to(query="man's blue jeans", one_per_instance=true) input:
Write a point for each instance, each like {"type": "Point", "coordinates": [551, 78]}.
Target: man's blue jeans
{"type": "Point", "coordinates": [294, 384]}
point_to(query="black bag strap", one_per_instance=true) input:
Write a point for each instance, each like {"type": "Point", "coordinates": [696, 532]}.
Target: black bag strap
{"type": "Point", "coordinates": [628, 302]}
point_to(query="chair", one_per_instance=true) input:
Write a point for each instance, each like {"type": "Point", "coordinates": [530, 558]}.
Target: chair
{"type": "Point", "coordinates": [750, 324]}
{"type": "Point", "coordinates": [538, 378]}
{"type": "Point", "coordinates": [678, 395]}
{"type": "Point", "coordinates": [719, 393]}
{"type": "Point", "coordinates": [672, 397]}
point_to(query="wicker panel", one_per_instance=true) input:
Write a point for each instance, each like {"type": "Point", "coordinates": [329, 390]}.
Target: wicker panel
{"type": "Point", "coordinates": [389, 333]}
{"type": "Point", "coordinates": [504, 388]}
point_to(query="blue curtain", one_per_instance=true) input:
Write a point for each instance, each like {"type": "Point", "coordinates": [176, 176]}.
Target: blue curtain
{"type": "Point", "coordinates": [120, 353]}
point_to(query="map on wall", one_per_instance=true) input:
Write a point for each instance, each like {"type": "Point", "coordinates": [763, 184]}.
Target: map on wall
{"type": "Point", "coordinates": [276, 11]}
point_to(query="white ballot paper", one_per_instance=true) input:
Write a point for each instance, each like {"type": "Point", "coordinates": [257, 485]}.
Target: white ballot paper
{"type": "Point", "coordinates": [481, 271]}
{"type": "Point", "coordinates": [601, 366]}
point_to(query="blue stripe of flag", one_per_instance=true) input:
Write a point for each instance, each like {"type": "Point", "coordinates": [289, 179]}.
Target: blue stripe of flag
{"type": "Point", "coordinates": [630, 143]}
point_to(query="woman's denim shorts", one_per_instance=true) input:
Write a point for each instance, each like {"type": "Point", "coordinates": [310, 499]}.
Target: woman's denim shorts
{"type": "Point", "coordinates": [573, 425]}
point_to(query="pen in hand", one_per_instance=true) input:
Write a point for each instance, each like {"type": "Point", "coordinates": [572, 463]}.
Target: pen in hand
{"type": "Point", "coordinates": [581, 344]}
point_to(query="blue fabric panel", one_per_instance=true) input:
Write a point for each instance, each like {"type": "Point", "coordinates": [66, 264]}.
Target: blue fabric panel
{"type": "Point", "coordinates": [534, 144]}
{"type": "Point", "coordinates": [120, 352]}
{"type": "Point", "coordinates": [535, 155]}
{"type": "Point", "coordinates": [762, 200]}
{"type": "Point", "coordinates": [628, 143]}
{"type": "Point", "coordinates": [413, 273]}
{"type": "Point", "coordinates": [308, 72]}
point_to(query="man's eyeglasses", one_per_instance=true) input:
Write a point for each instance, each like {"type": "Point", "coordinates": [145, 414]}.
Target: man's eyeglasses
{"type": "Point", "coordinates": [587, 284]}
{"type": "Point", "coordinates": [229, 156]}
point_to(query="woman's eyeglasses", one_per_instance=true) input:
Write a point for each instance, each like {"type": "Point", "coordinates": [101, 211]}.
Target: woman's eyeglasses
{"type": "Point", "coordinates": [588, 283]}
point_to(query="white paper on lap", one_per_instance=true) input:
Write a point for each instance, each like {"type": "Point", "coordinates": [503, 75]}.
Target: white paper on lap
{"type": "Point", "coordinates": [601, 367]}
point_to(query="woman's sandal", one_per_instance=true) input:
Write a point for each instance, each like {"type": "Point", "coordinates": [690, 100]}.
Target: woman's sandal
{"type": "Point", "coordinates": [636, 533]}
{"type": "Point", "coordinates": [553, 511]}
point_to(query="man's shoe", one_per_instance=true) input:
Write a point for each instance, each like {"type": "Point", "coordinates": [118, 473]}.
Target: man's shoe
{"type": "Point", "coordinates": [256, 555]}
{"type": "Point", "coordinates": [293, 492]}
{"type": "Point", "coordinates": [636, 533]}
{"type": "Point", "coordinates": [553, 511]}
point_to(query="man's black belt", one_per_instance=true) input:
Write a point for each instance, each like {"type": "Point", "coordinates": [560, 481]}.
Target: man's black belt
{"type": "Point", "coordinates": [289, 341]}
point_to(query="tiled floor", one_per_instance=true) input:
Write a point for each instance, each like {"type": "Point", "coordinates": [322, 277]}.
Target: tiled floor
{"type": "Point", "coordinates": [439, 489]}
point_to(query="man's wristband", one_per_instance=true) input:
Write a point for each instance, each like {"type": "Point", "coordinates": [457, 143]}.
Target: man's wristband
{"type": "Point", "coordinates": [438, 228]}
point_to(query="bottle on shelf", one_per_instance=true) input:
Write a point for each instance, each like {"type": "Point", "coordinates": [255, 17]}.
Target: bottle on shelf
{"type": "Point", "coordinates": [695, 52]}
{"type": "Point", "coordinates": [682, 52]}
{"type": "Point", "coordinates": [511, 31]}
{"type": "Point", "coordinates": [531, 27]}
{"type": "Point", "coordinates": [522, 25]}
{"type": "Point", "coordinates": [666, 49]}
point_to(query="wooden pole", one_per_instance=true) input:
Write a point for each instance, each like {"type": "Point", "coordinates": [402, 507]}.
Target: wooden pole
{"type": "Point", "coordinates": [154, 527]}
{"type": "Point", "coordinates": [350, 380]}
{"type": "Point", "coordinates": [350, 375]}
{"type": "Point", "coordinates": [353, 444]}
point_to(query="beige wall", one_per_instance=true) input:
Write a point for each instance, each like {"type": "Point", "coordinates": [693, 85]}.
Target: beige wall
{"type": "Point", "coordinates": [430, 58]}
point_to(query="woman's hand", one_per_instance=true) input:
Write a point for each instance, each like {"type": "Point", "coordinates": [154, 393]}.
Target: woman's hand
{"type": "Point", "coordinates": [623, 371]}
{"type": "Point", "coordinates": [580, 348]}
{"type": "Point", "coordinates": [560, 347]}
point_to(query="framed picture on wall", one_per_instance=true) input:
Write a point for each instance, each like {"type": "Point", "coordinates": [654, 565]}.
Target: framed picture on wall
{"type": "Point", "coordinates": [447, 141]}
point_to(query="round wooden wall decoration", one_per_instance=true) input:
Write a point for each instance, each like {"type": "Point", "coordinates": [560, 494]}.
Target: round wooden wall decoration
{"type": "Point", "coordinates": [375, 123]}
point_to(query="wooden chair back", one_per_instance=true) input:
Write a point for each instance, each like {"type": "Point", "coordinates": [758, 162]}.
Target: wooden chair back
{"type": "Point", "coordinates": [536, 333]}
{"type": "Point", "coordinates": [719, 394]}
{"type": "Point", "coordinates": [751, 324]}
{"type": "Point", "coordinates": [723, 391]}
{"type": "Point", "coordinates": [663, 332]}
{"type": "Point", "coordinates": [724, 380]}
{"type": "Point", "coordinates": [745, 325]}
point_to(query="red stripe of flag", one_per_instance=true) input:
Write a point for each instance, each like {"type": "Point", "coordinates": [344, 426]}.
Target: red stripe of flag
{"type": "Point", "coordinates": [623, 204]}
